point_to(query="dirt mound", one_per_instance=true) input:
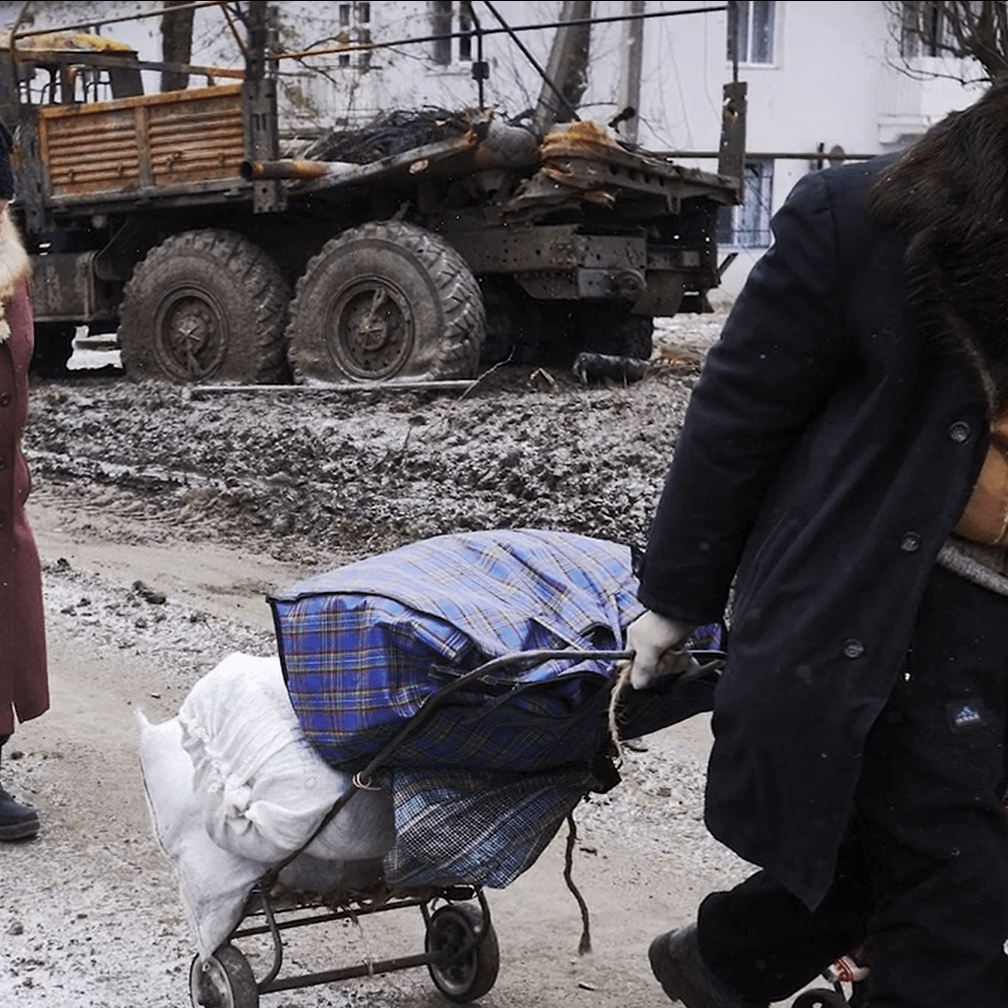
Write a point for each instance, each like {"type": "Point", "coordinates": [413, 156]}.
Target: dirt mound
{"type": "Point", "coordinates": [308, 473]}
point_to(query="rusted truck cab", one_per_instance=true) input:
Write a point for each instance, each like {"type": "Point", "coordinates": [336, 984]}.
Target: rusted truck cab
{"type": "Point", "coordinates": [97, 161]}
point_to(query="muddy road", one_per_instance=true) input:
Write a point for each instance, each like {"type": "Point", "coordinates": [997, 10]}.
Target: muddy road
{"type": "Point", "coordinates": [211, 501]}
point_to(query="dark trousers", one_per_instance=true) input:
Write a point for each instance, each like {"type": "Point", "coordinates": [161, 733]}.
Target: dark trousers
{"type": "Point", "coordinates": [922, 876]}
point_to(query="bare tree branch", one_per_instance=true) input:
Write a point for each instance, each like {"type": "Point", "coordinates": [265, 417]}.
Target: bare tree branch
{"type": "Point", "coordinates": [974, 31]}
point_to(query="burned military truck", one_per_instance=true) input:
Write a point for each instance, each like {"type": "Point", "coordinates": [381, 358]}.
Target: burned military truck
{"type": "Point", "coordinates": [412, 250]}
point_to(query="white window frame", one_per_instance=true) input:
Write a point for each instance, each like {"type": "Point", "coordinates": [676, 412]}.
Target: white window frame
{"type": "Point", "coordinates": [922, 40]}
{"type": "Point", "coordinates": [452, 52]}
{"type": "Point", "coordinates": [354, 20]}
{"type": "Point", "coordinates": [746, 42]}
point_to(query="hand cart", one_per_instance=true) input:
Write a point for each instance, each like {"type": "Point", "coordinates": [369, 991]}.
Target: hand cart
{"type": "Point", "coordinates": [461, 952]}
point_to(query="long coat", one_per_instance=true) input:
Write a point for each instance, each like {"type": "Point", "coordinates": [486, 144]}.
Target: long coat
{"type": "Point", "coordinates": [23, 678]}
{"type": "Point", "coordinates": [828, 449]}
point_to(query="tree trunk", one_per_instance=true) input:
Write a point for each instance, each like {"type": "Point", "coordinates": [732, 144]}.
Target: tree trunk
{"type": "Point", "coordinates": [567, 68]}
{"type": "Point", "coordinates": [176, 44]}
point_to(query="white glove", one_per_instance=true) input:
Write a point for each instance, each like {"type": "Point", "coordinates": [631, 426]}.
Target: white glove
{"type": "Point", "coordinates": [658, 643]}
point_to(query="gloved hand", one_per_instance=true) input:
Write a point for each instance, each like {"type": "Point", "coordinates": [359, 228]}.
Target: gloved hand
{"type": "Point", "coordinates": [658, 643]}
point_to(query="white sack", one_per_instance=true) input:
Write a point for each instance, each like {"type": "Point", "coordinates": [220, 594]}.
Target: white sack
{"type": "Point", "coordinates": [262, 787]}
{"type": "Point", "coordinates": [213, 883]}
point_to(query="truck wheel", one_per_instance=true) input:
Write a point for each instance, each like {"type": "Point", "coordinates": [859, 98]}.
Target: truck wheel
{"type": "Point", "coordinates": [613, 330]}
{"type": "Point", "coordinates": [386, 301]}
{"type": "Point", "coordinates": [205, 305]}
{"type": "Point", "coordinates": [514, 322]}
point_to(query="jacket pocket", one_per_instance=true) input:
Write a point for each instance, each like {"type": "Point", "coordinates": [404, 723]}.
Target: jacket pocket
{"type": "Point", "coordinates": [766, 558]}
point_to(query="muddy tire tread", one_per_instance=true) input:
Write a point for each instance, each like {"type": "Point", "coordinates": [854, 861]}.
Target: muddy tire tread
{"type": "Point", "coordinates": [457, 290]}
{"type": "Point", "coordinates": [258, 356]}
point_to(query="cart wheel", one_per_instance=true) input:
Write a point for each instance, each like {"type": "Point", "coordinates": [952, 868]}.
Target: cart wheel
{"type": "Point", "coordinates": [470, 975]}
{"type": "Point", "coordinates": [820, 999]}
{"type": "Point", "coordinates": [225, 980]}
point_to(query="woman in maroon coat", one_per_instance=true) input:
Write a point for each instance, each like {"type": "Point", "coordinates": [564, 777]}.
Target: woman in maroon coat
{"type": "Point", "coordinates": [23, 680]}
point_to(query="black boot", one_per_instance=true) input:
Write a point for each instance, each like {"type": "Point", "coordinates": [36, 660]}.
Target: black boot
{"type": "Point", "coordinates": [17, 821]}
{"type": "Point", "coordinates": [684, 976]}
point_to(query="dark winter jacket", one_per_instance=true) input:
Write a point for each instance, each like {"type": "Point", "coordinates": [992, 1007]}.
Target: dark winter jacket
{"type": "Point", "coordinates": [831, 443]}
{"type": "Point", "coordinates": [23, 680]}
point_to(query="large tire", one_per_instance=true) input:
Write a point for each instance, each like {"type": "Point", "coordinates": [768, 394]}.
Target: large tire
{"type": "Point", "coordinates": [383, 302]}
{"type": "Point", "coordinates": [205, 306]}
{"type": "Point", "coordinates": [515, 322]}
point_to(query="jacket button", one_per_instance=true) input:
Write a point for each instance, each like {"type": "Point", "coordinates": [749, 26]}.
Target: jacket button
{"type": "Point", "coordinates": [910, 542]}
{"type": "Point", "coordinates": [960, 432]}
{"type": "Point", "coordinates": [5, 399]}
{"type": "Point", "coordinates": [853, 648]}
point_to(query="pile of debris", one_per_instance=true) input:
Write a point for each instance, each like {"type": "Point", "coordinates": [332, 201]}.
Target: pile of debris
{"type": "Point", "coordinates": [392, 133]}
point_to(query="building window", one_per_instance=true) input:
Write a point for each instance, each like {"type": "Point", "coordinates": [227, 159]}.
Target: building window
{"type": "Point", "coordinates": [449, 18]}
{"type": "Point", "coordinates": [748, 224]}
{"type": "Point", "coordinates": [355, 29]}
{"type": "Point", "coordinates": [753, 24]}
{"type": "Point", "coordinates": [922, 29]}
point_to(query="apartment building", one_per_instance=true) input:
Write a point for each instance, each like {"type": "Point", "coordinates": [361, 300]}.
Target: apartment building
{"type": "Point", "coordinates": [822, 77]}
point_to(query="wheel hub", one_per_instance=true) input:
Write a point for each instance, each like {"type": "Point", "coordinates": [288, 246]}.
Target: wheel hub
{"type": "Point", "coordinates": [371, 329]}
{"type": "Point", "coordinates": [211, 988]}
{"type": "Point", "coordinates": [192, 327]}
{"type": "Point", "coordinates": [191, 336]}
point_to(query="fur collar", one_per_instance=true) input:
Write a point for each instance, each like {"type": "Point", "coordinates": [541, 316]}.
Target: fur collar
{"type": "Point", "coordinates": [15, 268]}
{"type": "Point", "coordinates": [948, 198]}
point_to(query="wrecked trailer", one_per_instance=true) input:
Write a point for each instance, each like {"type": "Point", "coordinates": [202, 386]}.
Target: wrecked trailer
{"type": "Point", "coordinates": [174, 219]}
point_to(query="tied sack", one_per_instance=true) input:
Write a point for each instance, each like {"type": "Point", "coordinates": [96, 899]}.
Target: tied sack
{"type": "Point", "coordinates": [262, 787]}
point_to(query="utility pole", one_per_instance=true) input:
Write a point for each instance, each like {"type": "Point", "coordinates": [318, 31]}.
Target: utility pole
{"type": "Point", "coordinates": [731, 152]}
{"type": "Point", "coordinates": [259, 105]}
{"type": "Point", "coordinates": [630, 71]}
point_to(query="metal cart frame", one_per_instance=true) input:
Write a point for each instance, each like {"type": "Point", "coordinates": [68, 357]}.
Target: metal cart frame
{"type": "Point", "coordinates": [461, 952]}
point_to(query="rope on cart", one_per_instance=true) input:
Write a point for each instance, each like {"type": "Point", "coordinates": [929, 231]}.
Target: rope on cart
{"type": "Point", "coordinates": [623, 681]}
{"type": "Point", "coordinates": [584, 945]}
{"type": "Point", "coordinates": [429, 706]}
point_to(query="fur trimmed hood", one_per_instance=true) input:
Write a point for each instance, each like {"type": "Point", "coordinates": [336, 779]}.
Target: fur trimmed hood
{"type": "Point", "coordinates": [947, 196]}
{"type": "Point", "coordinates": [15, 267]}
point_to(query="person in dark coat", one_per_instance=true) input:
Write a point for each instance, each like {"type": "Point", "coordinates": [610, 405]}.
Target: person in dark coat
{"type": "Point", "coordinates": [23, 675]}
{"type": "Point", "coordinates": [841, 480]}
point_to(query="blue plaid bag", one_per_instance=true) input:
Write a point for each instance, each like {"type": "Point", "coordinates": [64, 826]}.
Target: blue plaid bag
{"type": "Point", "coordinates": [362, 647]}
